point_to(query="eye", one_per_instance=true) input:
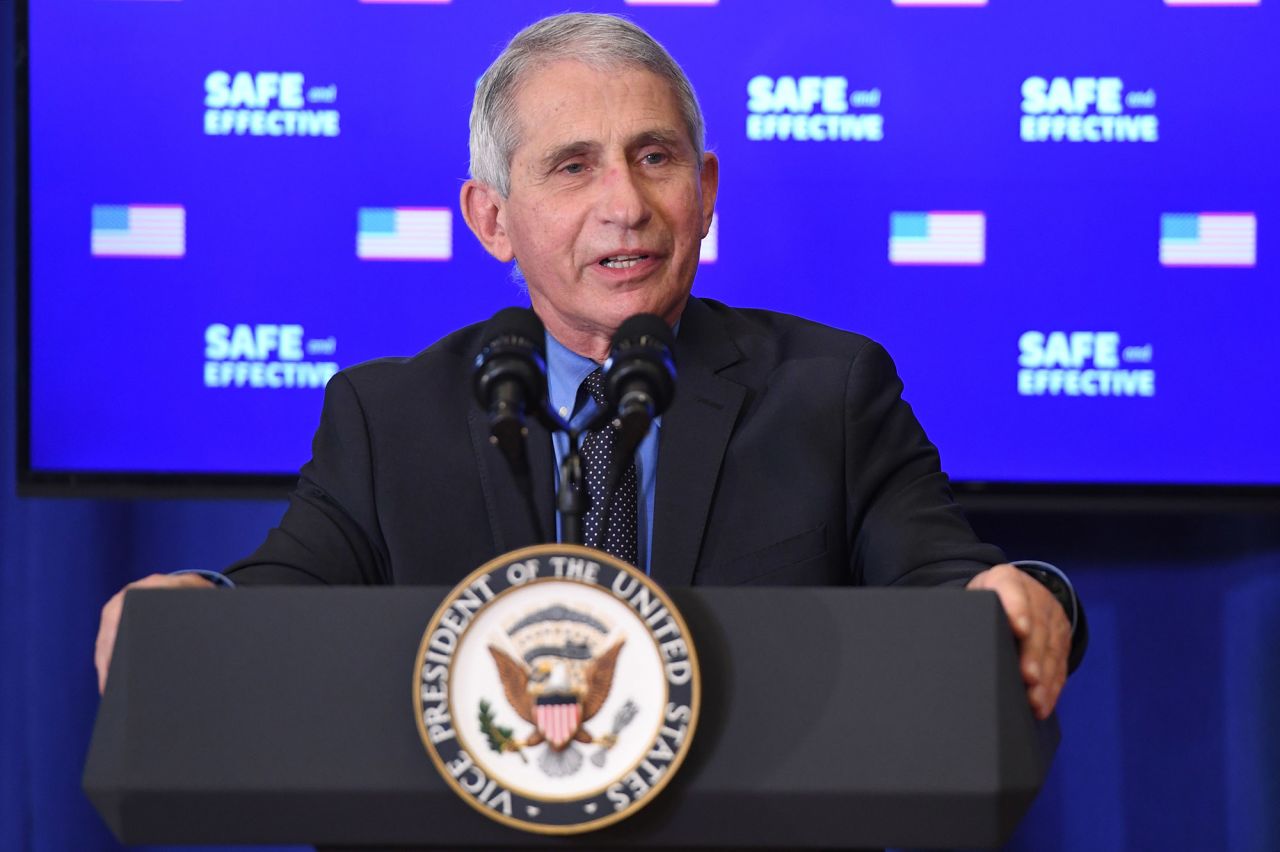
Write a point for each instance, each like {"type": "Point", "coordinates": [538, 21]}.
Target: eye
{"type": "Point", "coordinates": [654, 158]}
{"type": "Point", "coordinates": [573, 168]}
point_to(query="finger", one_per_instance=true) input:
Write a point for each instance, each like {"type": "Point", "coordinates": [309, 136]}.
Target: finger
{"type": "Point", "coordinates": [1017, 605]}
{"type": "Point", "coordinates": [1056, 659]}
{"type": "Point", "coordinates": [1041, 704]}
{"type": "Point", "coordinates": [153, 581]}
{"type": "Point", "coordinates": [1035, 647]}
{"type": "Point", "coordinates": [1058, 646]}
{"type": "Point", "coordinates": [108, 624]}
{"type": "Point", "coordinates": [1017, 596]}
{"type": "Point", "coordinates": [1051, 666]}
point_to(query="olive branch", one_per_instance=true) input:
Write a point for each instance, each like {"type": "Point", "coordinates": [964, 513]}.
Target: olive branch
{"type": "Point", "coordinates": [500, 738]}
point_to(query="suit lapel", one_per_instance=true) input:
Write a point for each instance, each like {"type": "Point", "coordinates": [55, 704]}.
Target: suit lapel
{"type": "Point", "coordinates": [507, 506]}
{"type": "Point", "coordinates": [542, 460]}
{"type": "Point", "coordinates": [695, 433]}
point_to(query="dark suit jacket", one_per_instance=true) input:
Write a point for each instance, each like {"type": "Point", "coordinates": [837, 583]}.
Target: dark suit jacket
{"type": "Point", "coordinates": [787, 458]}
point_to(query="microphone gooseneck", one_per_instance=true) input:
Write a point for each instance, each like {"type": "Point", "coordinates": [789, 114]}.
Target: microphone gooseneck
{"type": "Point", "coordinates": [640, 375]}
{"type": "Point", "coordinates": [639, 384]}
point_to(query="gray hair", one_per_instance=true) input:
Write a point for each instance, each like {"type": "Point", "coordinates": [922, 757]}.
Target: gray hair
{"type": "Point", "coordinates": [604, 42]}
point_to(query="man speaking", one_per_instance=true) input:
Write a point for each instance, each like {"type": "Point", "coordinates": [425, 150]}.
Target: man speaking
{"type": "Point", "coordinates": [787, 458]}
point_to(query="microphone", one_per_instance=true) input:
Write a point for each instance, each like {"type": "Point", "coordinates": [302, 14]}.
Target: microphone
{"type": "Point", "coordinates": [640, 375]}
{"type": "Point", "coordinates": [511, 376]}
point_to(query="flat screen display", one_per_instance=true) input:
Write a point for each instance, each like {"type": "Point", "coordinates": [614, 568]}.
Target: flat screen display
{"type": "Point", "coordinates": [1061, 218]}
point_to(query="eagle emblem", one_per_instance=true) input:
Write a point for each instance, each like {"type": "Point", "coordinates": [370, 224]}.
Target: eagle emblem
{"type": "Point", "coordinates": [557, 689]}
{"type": "Point", "coordinates": [557, 683]}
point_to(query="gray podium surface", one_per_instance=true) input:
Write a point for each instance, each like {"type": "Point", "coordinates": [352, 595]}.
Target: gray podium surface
{"type": "Point", "coordinates": [831, 718]}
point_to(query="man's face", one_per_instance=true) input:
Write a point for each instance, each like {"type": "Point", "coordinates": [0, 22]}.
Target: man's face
{"type": "Point", "coordinates": [608, 205]}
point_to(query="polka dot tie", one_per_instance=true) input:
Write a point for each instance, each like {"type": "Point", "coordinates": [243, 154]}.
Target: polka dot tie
{"type": "Point", "coordinates": [597, 454]}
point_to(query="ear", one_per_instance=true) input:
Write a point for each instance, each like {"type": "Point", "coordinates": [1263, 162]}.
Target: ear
{"type": "Point", "coordinates": [482, 208]}
{"type": "Point", "coordinates": [710, 186]}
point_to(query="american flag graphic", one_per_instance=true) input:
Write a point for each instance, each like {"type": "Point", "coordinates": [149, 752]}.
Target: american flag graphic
{"type": "Point", "coordinates": [940, 238]}
{"type": "Point", "coordinates": [404, 233]}
{"type": "Point", "coordinates": [939, 2]}
{"type": "Point", "coordinates": [138, 230]}
{"type": "Point", "coordinates": [709, 252]}
{"type": "Point", "coordinates": [557, 719]}
{"type": "Point", "coordinates": [1208, 239]}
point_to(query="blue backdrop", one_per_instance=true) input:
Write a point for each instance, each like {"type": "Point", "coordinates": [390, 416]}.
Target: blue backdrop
{"type": "Point", "coordinates": [948, 227]}
{"type": "Point", "coordinates": [1168, 740]}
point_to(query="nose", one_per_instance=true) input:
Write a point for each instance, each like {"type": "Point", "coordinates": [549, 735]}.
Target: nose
{"type": "Point", "coordinates": [622, 198]}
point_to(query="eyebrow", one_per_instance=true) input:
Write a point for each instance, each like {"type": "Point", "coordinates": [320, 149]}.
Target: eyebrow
{"type": "Point", "coordinates": [567, 151]}
{"type": "Point", "coordinates": [666, 138]}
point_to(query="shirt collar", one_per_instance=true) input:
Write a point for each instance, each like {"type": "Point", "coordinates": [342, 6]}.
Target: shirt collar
{"type": "Point", "coordinates": [565, 371]}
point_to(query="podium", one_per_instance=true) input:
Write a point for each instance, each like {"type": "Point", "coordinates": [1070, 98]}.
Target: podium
{"type": "Point", "coordinates": [831, 718]}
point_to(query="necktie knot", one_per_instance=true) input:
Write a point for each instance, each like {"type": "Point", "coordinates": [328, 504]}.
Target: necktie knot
{"type": "Point", "coordinates": [593, 384]}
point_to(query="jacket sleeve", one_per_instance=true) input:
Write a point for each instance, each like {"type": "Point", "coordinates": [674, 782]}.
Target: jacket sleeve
{"type": "Point", "coordinates": [906, 527]}
{"type": "Point", "coordinates": [329, 533]}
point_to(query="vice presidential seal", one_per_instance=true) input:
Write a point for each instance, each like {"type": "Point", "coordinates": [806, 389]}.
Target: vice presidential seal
{"type": "Point", "coordinates": [556, 689]}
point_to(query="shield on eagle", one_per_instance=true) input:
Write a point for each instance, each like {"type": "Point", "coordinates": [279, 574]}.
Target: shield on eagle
{"type": "Point", "coordinates": [557, 717]}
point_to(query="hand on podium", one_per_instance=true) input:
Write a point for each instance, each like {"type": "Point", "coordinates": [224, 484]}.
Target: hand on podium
{"type": "Point", "coordinates": [1042, 628]}
{"type": "Point", "coordinates": [110, 621]}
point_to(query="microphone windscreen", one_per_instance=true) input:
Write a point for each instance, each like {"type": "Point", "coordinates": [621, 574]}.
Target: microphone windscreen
{"type": "Point", "coordinates": [644, 325]}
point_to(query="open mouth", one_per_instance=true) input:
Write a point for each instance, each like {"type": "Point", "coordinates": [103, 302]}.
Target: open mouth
{"type": "Point", "coordinates": [623, 261]}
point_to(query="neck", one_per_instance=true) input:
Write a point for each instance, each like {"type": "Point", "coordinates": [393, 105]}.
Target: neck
{"type": "Point", "coordinates": [593, 345]}
{"type": "Point", "coordinates": [589, 340]}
